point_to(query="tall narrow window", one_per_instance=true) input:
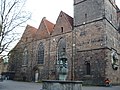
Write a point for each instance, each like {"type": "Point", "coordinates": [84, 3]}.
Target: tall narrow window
{"type": "Point", "coordinates": [85, 18]}
{"type": "Point", "coordinates": [85, 15]}
{"type": "Point", "coordinates": [111, 17]}
{"type": "Point", "coordinates": [41, 53]}
{"type": "Point", "coordinates": [88, 68]}
{"type": "Point", "coordinates": [119, 27]}
{"type": "Point", "coordinates": [25, 57]}
{"type": "Point", "coordinates": [62, 29]}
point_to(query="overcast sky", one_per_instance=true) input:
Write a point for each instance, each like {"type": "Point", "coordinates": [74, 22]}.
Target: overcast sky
{"type": "Point", "coordinates": [49, 9]}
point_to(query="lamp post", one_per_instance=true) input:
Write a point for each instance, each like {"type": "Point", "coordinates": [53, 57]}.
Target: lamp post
{"type": "Point", "coordinates": [49, 56]}
{"type": "Point", "coordinates": [32, 58]}
{"type": "Point", "coordinates": [56, 67]}
{"type": "Point", "coordinates": [73, 54]}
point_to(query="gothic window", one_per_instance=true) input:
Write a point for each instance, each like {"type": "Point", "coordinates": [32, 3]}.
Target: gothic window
{"type": "Point", "coordinates": [25, 57]}
{"type": "Point", "coordinates": [61, 48]}
{"type": "Point", "coordinates": [88, 68]}
{"type": "Point", "coordinates": [41, 53]}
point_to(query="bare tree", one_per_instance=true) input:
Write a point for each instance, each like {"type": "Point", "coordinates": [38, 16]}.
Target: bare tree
{"type": "Point", "coordinates": [12, 17]}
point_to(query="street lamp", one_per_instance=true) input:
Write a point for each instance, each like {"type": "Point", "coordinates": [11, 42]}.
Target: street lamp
{"type": "Point", "coordinates": [73, 54]}
{"type": "Point", "coordinates": [56, 75]}
{"type": "Point", "coordinates": [49, 45]}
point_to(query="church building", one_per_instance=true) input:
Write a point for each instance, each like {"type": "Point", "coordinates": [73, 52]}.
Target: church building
{"type": "Point", "coordinates": [88, 45]}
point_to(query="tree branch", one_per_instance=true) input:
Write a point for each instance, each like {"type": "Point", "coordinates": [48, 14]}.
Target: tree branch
{"type": "Point", "coordinates": [12, 17]}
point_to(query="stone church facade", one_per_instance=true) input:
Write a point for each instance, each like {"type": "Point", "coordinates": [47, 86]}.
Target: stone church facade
{"type": "Point", "coordinates": [90, 42]}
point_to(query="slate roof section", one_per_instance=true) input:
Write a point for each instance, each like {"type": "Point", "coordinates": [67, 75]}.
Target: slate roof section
{"type": "Point", "coordinates": [45, 29]}
{"type": "Point", "coordinates": [69, 18]}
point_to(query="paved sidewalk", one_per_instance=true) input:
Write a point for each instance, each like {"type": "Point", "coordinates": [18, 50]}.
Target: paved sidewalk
{"type": "Point", "coordinates": [15, 85]}
{"type": "Point", "coordinates": [100, 88]}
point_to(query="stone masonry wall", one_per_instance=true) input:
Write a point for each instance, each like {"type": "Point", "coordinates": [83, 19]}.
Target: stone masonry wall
{"type": "Point", "coordinates": [110, 73]}
{"type": "Point", "coordinates": [97, 61]}
{"type": "Point", "coordinates": [90, 36]}
{"type": "Point", "coordinates": [87, 11]}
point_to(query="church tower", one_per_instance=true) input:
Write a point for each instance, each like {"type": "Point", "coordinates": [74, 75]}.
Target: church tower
{"type": "Point", "coordinates": [96, 41]}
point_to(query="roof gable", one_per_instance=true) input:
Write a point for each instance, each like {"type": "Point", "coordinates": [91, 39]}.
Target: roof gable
{"type": "Point", "coordinates": [69, 19]}
{"type": "Point", "coordinates": [63, 24]}
{"type": "Point", "coordinates": [45, 29]}
{"type": "Point", "coordinates": [28, 34]}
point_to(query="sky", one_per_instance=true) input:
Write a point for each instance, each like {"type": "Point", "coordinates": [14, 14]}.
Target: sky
{"type": "Point", "coordinates": [49, 9]}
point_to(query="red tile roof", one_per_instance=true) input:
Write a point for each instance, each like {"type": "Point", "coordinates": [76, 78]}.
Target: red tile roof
{"type": "Point", "coordinates": [45, 29]}
{"type": "Point", "coordinates": [49, 25]}
{"type": "Point", "coordinates": [31, 29]}
{"type": "Point", "coordinates": [64, 21]}
{"type": "Point", "coordinates": [28, 33]}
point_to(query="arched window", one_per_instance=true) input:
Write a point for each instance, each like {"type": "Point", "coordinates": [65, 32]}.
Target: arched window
{"type": "Point", "coordinates": [41, 53]}
{"type": "Point", "coordinates": [25, 57]}
{"type": "Point", "coordinates": [61, 48]}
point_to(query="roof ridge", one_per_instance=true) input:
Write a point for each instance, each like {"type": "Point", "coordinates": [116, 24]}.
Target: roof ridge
{"type": "Point", "coordinates": [45, 24]}
{"type": "Point", "coordinates": [68, 17]}
{"type": "Point", "coordinates": [30, 26]}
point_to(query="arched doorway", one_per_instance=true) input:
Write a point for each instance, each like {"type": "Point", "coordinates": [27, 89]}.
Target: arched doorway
{"type": "Point", "coordinates": [36, 75]}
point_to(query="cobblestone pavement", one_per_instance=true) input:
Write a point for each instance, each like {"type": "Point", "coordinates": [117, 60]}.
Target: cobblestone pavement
{"type": "Point", "coordinates": [101, 88]}
{"type": "Point", "coordinates": [14, 85]}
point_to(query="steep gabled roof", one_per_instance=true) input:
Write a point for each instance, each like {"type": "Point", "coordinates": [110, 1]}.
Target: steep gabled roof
{"type": "Point", "coordinates": [49, 25]}
{"type": "Point", "coordinates": [69, 18]}
{"type": "Point", "coordinates": [64, 22]}
{"type": "Point", "coordinates": [29, 33]}
{"type": "Point", "coordinates": [45, 29]}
